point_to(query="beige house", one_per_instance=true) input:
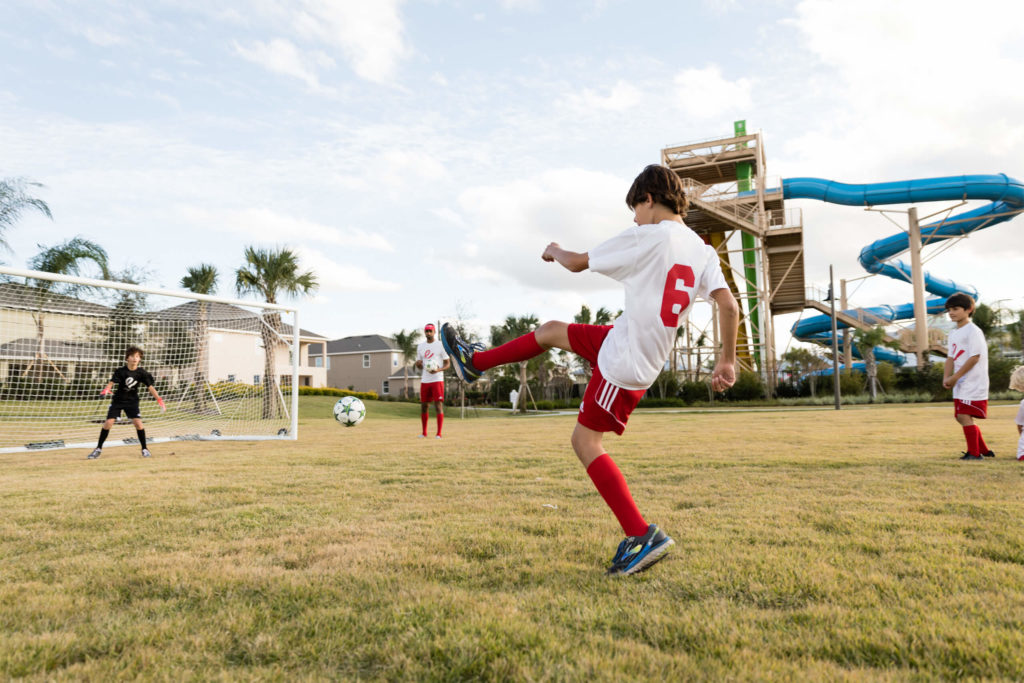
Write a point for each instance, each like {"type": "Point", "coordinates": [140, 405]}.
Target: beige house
{"type": "Point", "coordinates": [365, 363]}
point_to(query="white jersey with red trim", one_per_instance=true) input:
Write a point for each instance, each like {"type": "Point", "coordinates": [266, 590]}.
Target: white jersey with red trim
{"type": "Point", "coordinates": [663, 268]}
{"type": "Point", "coordinates": [964, 343]}
{"type": "Point", "coordinates": [426, 351]}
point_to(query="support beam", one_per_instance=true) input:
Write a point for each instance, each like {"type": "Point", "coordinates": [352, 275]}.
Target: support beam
{"type": "Point", "coordinates": [917, 276]}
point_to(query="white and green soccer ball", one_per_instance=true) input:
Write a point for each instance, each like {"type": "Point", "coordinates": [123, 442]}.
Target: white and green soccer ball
{"type": "Point", "coordinates": [349, 411]}
{"type": "Point", "coordinates": [432, 365]}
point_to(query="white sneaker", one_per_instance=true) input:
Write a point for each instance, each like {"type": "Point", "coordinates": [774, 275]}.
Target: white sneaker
{"type": "Point", "coordinates": [95, 454]}
{"type": "Point", "coordinates": [146, 453]}
{"type": "Point", "coordinates": [438, 436]}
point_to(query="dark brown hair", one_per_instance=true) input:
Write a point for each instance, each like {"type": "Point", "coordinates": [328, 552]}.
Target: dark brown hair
{"type": "Point", "coordinates": [663, 186]}
{"type": "Point", "coordinates": [132, 350]}
{"type": "Point", "coordinates": [960, 300]}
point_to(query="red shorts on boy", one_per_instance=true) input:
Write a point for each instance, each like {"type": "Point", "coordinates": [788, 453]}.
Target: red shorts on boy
{"type": "Point", "coordinates": [605, 407]}
{"type": "Point", "coordinates": [431, 391]}
{"type": "Point", "coordinates": [977, 409]}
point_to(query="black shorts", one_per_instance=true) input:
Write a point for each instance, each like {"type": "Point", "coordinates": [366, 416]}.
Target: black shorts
{"type": "Point", "coordinates": [130, 408]}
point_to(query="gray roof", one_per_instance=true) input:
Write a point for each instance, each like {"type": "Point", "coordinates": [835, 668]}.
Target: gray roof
{"type": "Point", "coordinates": [226, 316]}
{"type": "Point", "coordinates": [17, 295]}
{"type": "Point", "coordinates": [367, 343]}
{"type": "Point", "coordinates": [55, 349]}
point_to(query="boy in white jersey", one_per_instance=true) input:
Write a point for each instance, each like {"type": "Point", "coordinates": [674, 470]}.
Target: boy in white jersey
{"type": "Point", "coordinates": [966, 373]}
{"type": "Point", "coordinates": [431, 383]}
{"type": "Point", "coordinates": [663, 265]}
{"type": "Point", "coordinates": [1017, 384]}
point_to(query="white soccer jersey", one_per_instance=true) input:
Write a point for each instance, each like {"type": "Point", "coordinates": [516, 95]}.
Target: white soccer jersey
{"type": "Point", "coordinates": [965, 343]}
{"type": "Point", "coordinates": [426, 351]}
{"type": "Point", "coordinates": [662, 267]}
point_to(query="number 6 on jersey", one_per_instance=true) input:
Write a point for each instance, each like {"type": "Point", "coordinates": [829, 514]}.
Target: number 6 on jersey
{"type": "Point", "coordinates": [676, 299]}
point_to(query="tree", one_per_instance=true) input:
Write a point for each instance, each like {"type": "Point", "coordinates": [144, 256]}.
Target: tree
{"type": "Point", "coordinates": [62, 259]}
{"type": "Point", "coordinates": [15, 199]}
{"type": "Point", "coordinates": [270, 273]}
{"type": "Point", "coordinates": [406, 342]}
{"type": "Point", "coordinates": [516, 327]}
{"type": "Point", "coordinates": [866, 341]}
{"type": "Point", "coordinates": [804, 362]}
{"type": "Point", "coordinates": [201, 279]}
{"type": "Point", "coordinates": [986, 318]}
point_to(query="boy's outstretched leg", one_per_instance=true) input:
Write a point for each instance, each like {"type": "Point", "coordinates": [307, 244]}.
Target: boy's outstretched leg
{"type": "Point", "coordinates": [471, 360]}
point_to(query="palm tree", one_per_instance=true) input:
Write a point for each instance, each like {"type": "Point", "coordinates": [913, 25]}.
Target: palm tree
{"type": "Point", "coordinates": [270, 273]}
{"type": "Point", "coordinates": [62, 259]}
{"type": "Point", "coordinates": [201, 279]}
{"type": "Point", "coordinates": [406, 342]}
{"type": "Point", "coordinates": [516, 327]}
{"type": "Point", "coordinates": [14, 199]}
{"type": "Point", "coordinates": [866, 341]}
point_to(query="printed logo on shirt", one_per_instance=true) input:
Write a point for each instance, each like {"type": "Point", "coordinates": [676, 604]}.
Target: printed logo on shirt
{"type": "Point", "coordinates": [129, 383]}
{"type": "Point", "coordinates": [957, 352]}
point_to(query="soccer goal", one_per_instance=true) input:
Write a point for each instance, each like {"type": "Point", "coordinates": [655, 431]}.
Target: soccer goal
{"type": "Point", "coordinates": [226, 368]}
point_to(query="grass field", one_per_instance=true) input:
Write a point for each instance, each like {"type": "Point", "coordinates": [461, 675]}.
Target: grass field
{"type": "Point", "coordinates": [811, 544]}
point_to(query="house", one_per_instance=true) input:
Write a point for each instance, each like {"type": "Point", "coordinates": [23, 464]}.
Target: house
{"type": "Point", "coordinates": [235, 345]}
{"type": "Point", "coordinates": [369, 362]}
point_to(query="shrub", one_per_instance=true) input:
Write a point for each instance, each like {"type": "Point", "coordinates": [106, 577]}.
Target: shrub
{"type": "Point", "coordinates": [748, 387]}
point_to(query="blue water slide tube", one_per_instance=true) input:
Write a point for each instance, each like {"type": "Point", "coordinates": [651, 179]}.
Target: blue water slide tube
{"type": "Point", "coordinates": [1006, 197]}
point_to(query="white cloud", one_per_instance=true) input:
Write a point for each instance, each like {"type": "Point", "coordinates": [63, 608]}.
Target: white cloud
{"type": "Point", "coordinates": [369, 34]}
{"type": "Point", "coordinates": [101, 37]}
{"type": "Point", "coordinates": [342, 277]}
{"type": "Point", "coordinates": [514, 222]}
{"type": "Point", "coordinates": [265, 225]}
{"type": "Point", "coordinates": [620, 97]}
{"type": "Point", "coordinates": [706, 94]}
{"type": "Point", "coordinates": [281, 56]}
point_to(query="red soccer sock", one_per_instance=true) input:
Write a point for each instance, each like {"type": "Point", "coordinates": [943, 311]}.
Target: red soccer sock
{"type": "Point", "coordinates": [520, 348]}
{"type": "Point", "coordinates": [612, 486]}
{"type": "Point", "coordinates": [424, 417]}
{"type": "Point", "coordinates": [972, 434]}
{"type": "Point", "coordinates": [982, 446]}
{"type": "Point", "coordinates": [440, 423]}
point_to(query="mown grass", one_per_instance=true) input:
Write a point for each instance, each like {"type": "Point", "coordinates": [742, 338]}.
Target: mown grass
{"type": "Point", "coordinates": [811, 544]}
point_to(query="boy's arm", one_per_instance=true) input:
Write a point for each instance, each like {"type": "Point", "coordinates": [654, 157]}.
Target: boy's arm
{"type": "Point", "coordinates": [154, 394]}
{"type": "Point", "coordinates": [951, 380]}
{"type": "Point", "coordinates": [724, 374]}
{"type": "Point", "coordinates": [572, 261]}
{"type": "Point", "coordinates": [107, 389]}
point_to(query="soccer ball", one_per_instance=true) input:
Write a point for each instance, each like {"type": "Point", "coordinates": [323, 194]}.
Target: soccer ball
{"type": "Point", "coordinates": [349, 411]}
{"type": "Point", "coordinates": [432, 365]}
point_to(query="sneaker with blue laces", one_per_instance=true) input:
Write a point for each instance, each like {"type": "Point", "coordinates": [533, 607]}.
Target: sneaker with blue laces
{"type": "Point", "coordinates": [637, 553]}
{"type": "Point", "coordinates": [461, 352]}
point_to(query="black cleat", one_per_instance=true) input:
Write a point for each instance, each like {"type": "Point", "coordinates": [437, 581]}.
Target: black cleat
{"type": "Point", "coordinates": [968, 456]}
{"type": "Point", "coordinates": [461, 352]}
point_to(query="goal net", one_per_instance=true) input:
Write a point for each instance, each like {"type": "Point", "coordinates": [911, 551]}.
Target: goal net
{"type": "Point", "coordinates": [225, 368]}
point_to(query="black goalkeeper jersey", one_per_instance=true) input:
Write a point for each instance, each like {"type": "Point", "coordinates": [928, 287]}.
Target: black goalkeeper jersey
{"type": "Point", "coordinates": [126, 383]}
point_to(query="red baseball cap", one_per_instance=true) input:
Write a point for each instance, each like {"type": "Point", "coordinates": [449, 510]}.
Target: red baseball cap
{"type": "Point", "coordinates": [428, 326]}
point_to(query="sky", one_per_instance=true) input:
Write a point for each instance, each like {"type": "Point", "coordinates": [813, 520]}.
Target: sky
{"type": "Point", "coordinates": [419, 155]}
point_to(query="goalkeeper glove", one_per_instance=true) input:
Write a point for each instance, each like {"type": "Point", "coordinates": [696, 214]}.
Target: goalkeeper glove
{"type": "Point", "coordinates": [106, 390]}
{"type": "Point", "coordinates": [160, 402]}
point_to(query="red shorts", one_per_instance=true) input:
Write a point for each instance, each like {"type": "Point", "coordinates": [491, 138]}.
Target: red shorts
{"type": "Point", "coordinates": [605, 407]}
{"type": "Point", "coordinates": [977, 409]}
{"type": "Point", "coordinates": [431, 391]}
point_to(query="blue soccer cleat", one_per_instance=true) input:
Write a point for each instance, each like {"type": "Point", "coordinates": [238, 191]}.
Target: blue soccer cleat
{"type": "Point", "coordinates": [637, 553]}
{"type": "Point", "coordinates": [461, 352]}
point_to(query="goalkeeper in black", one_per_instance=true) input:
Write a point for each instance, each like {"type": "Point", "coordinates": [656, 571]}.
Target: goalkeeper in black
{"type": "Point", "coordinates": [125, 383]}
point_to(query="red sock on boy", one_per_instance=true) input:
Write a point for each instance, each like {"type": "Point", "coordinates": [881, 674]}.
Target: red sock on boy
{"type": "Point", "coordinates": [612, 486]}
{"type": "Point", "coordinates": [520, 348]}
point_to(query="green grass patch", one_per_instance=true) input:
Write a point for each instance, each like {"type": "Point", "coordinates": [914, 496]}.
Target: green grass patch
{"type": "Point", "coordinates": [811, 544]}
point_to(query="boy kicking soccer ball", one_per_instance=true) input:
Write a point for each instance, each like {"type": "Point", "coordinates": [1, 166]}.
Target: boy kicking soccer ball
{"type": "Point", "coordinates": [127, 380]}
{"type": "Point", "coordinates": [662, 265]}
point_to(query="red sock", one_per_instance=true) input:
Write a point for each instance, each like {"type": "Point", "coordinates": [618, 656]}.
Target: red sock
{"type": "Point", "coordinates": [520, 348]}
{"type": "Point", "coordinates": [612, 486]}
{"type": "Point", "coordinates": [424, 416]}
{"type": "Point", "coordinates": [972, 434]}
{"type": "Point", "coordinates": [982, 446]}
{"type": "Point", "coordinates": [440, 423]}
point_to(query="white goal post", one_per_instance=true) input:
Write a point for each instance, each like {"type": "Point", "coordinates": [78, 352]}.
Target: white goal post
{"type": "Point", "coordinates": [227, 369]}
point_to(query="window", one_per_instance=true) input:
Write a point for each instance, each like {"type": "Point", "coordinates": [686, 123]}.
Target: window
{"type": "Point", "coordinates": [318, 362]}
{"type": "Point", "coordinates": [328, 362]}
{"type": "Point", "coordinates": [255, 379]}
{"type": "Point", "coordinates": [366, 360]}
{"type": "Point", "coordinates": [231, 378]}
{"type": "Point", "coordinates": [384, 387]}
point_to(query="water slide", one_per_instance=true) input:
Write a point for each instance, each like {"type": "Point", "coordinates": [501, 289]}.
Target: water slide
{"type": "Point", "coordinates": [1006, 197]}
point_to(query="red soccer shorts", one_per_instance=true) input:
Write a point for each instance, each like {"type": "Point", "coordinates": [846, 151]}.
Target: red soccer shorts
{"type": "Point", "coordinates": [605, 407]}
{"type": "Point", "coordinates": [977, 409]}
{"type": "Point", "coordinates": [431, 391]}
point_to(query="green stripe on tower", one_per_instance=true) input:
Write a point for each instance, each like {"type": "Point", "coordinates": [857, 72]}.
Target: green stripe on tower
{"type": "Point", "coordinates": [744, 173]}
